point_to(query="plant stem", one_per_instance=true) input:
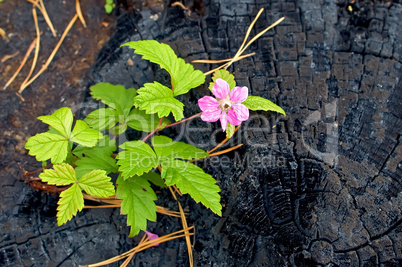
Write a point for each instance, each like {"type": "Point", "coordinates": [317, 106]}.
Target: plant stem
{"type": "Point", "coordinates": [178, 122]}
{"type": "Point", "coordinates": [154, 131]}
{"type": "Point", "coordinates": [170, 125]}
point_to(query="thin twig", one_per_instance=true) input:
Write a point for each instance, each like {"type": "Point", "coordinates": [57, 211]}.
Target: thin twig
{"type": "Point", "coordinates": [24, 60]}
{"type": "Point", "coordinates": [45, 66]}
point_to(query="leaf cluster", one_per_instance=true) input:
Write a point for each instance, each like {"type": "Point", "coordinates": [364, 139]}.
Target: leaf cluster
{"type": "Point", "coordinates": [83, 157]}
{"type": "Point", "coordinates": [156, 98]}
{"type": "Point", "coordinates": [56, 143]}
{"type": "Point", "coordinates": [136, 163]}
{"type": "Point", "coordinates": [95, 183]}
{"type": "Point", "coordinates": [120, 112]}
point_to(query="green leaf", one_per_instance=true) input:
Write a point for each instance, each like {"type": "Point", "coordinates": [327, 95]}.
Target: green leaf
{"type": "Point", "coordinates": [224, 75]}
{"type": "Point", "coordinates": [84, 135]}
{"type": "Point", "coordinates": [109, 8]}
{"type": "Point", "coordinates": [138, 202]}
{"type": "Point", "coordinates": [230, 130]}
{"type": "Point", "coordinates": [102, 119]}
{"type": "Point", "coordinates": [54, 144]}
{"type": "Point", "coordinates": [71, 201]}
{"type": "Point", "coordinates": [166, 149]}
{"type": "Point", "coordinates": [115, 96]}
{"type": "Point", "coordinates": [61, 121]}
{"type": "Point", "coordinates": [48, 146]}
{"type": "Point", "coordinates": [183, 76]}
{"type": "Point", "coordinates": [141, 121]}
{"type": "Point", "coordinates": [154, 178]}
{"type": "Point", "coordinates": [61, 174]}
{"type": "Point", "coordinates": [137, 158]}
{"type": "Point", "coordinates": [260, 103]}
{"type": "Point", "coordinates": [191, 179]}
{"type": "Point", "coordinates": [97, 183]}
{"type": "Point", "coordinates": [96, 158]}
{"type": "Point", "coordinates": [157, 98]}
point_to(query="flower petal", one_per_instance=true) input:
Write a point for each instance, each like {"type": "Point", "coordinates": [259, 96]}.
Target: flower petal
{"type": "Point", "coordinates": [242, 112]}
{"type": "Point", "coordinates": [152, 236]}
{"type": "Point", "coordinates": [224, 121]}
{"type": "Point", "coordinates": [211, 115]}
{"type": "Point", "coordinates": [232, 118]}
{"type": "Point", "coordinates": [208, 102]}
{"type": "Point", "coordinates": [239, 94]}
{"type": "Point", "coordinates": [220, 88]}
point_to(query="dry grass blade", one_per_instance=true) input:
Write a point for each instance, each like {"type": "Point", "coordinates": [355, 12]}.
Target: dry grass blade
{"type": "Point", "coordinates": [177, 190]}
{"type": "Point", "coordinates": [243, 46]}
{"type": "Point", "coordinates": [45, 66]}
{"type": "Point", "coordinates": [210, 61]}
{"type": "Point", "coordinates": [188, 242]}
{"type": "Point", "coordinates": [35, 17]}
{"type": "Point", "coordinates": [116, 203]}
{"type": "Point", "coordinates": [78, 10]}
{"type": "Point", "coordinates": [246, 37]}
{"type": "Point", "coordinates": [7, 57]}
{"type": "Point", "coordinates": [3, 34]}
{"type": "Point", "coordinates": [220, 60]}
{"type": "Point", "coordinates": [47, 19]}
{"type": "Point", "coordinates": [261, 33]}
{"type": "Point", "coordinates": [225, 151]}
{"type": "Point", "coordinates": [177, 3]}
{"type": "Point", "coordinates": [39, 4]}
{"type": "Point", "coordinates": [164, 211]}
{"type": "Point", "coordinates": [129, 258]}
{"type": "Point", "coordinates": [173, 194]}
{"type": "Point", "coordinates": [103, 206]}
{"type": "Point", "coordinates": [31, 47]}
{"type": "Point", "coordinates": [185, 226]}
{"type": "Point", "coordinates": [223, 142]}
{"type": "Point", "coordinates": [99, 199]}
{"type": "Point", "coordinates": [145, 245]}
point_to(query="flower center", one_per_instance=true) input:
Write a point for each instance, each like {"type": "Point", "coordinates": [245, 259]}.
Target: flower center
{"type": "Point", "coordinates": [225, 105]}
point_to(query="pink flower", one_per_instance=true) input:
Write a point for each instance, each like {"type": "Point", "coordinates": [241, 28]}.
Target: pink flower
{"type": "Point", "coordinates": [152, 236]}
{"type": "Point", "coordinates": [227, 106]}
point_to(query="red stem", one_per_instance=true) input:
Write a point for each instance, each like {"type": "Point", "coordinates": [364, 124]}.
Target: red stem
{"type": "Point", "coordinates": [154, 131]}
{"type": "Point", "coordinates": [170, 125]}
{"type": "Point", "coordinates": [189, 118]}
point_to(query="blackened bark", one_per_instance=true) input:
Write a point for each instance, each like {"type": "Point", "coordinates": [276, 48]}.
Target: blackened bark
{"type": "Point", "coordinates": [319, 186]}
